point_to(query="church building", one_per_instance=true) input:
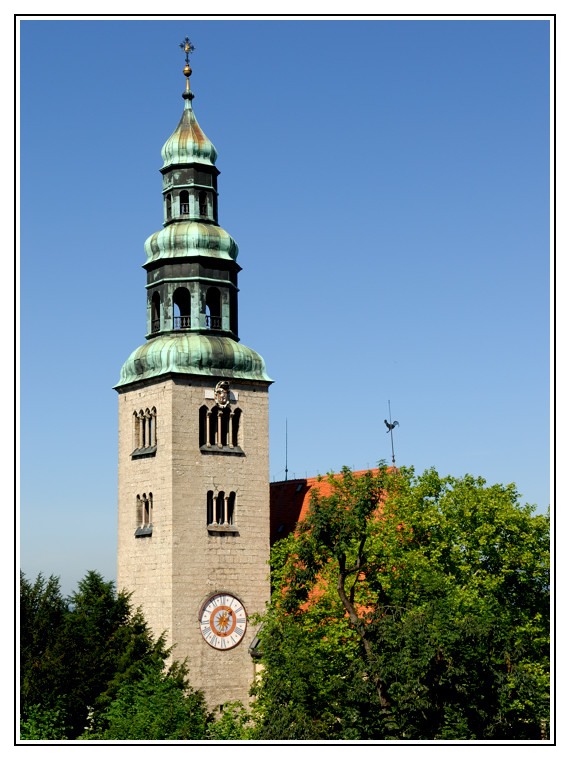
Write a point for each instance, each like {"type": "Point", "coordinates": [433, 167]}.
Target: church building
{"type": "Point", "coordinates": [193, 491]}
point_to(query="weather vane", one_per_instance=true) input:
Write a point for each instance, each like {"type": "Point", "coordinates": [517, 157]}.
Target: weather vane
{"type": "Point", "coordinates": [188, 48]}
{"type": "Point", "coordinates": [391, 425]}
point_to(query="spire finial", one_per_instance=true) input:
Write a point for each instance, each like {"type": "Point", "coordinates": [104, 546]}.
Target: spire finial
{"type": "Point", "coordinates": [188, 48]}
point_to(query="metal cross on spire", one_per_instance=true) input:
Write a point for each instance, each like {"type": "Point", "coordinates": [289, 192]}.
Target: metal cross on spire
{"type": "Point", "coordinates": [188, 48]}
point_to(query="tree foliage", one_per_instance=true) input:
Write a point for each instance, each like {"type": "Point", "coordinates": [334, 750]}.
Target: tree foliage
{"type": "Point", "coordinates": [158, 706]}
{"type": "Point", "coordinates": [42, 615]}
{"type": "Point", "coordinates": [233, 724]}
{"type": "Point", "coordinates": [78, 656]}
{"type": "Point", "coordinates": [408, 607]}
{"type": "Point", "coordinates": [42, 723]}
{"type": "Point", "coordinates": [403, 607]}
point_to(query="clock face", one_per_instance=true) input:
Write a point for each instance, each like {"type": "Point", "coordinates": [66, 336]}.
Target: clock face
{"type": "Point", "coordinates": [223, 621]}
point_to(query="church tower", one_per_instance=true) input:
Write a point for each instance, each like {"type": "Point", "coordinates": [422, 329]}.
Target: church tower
{"type": "Point", "coordinates": [193, 501]}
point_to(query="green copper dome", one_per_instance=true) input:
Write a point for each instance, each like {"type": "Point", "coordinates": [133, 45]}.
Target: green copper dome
{"type": "Point", "coordinates": [188, 144]}
{"type": "Point", "coordinates": [190, 238]}
{"type": "Point", "coordinates": [193, 354]}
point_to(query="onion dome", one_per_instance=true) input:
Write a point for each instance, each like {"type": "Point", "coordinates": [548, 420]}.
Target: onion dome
{"type": "Point", "coordinates": [188, 144]}
{"type": "Point", "coordinates": [193, 354]}
{"type": "Point", "coordinates": [190, 239]}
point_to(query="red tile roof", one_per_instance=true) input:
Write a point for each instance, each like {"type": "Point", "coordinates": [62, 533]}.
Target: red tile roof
{"type": "Point", "coordinates": [289, 502]}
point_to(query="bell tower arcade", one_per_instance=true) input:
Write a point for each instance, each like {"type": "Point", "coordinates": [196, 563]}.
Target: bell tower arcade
{"type": "Point", "coordinates": [193, 492]}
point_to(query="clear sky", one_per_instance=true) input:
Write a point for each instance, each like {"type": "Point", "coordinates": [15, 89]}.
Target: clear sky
{"type": "Point", "coordinates": [388, 184]}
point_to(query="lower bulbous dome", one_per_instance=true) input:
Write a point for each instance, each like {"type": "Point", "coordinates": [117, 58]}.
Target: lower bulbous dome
{"type": "Point", "coordinates": [193, 354]}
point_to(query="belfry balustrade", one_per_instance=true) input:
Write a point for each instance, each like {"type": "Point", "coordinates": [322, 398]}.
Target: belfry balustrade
{"type": "Point", "coordinates": [181, 323]}
{"type": "Point", "coordinates": [214, 323]}
{"type": "Point", "coordinates": [184, 323]}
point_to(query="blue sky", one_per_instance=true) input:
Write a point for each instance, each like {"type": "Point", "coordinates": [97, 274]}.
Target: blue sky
{"type": "Point", "coordinates": [388, 184]}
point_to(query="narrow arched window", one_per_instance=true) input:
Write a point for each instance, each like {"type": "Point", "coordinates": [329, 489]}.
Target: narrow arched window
{"type": "Point", "coordinates": [153, 426]}
{"type": "Point", "coordinates": [203, 426]}
{"type": "Point", "coordinates": [230, 516]}
{"type": "Point", "coordinates": [181, 303]}
{"type": "Point", "coordinates": [210, 508]}
{"type": "Point", "coordinates": [136, 431]}
{"type": "Point", "coordinates": [169, 206]}
{"type": "Point", "coordinates": [220, 508]}
{"type": "Point", "coordinates": [141, 419]}
{"type": "Point", "coordinates": [225, 426]}
{"type": "Point", "coordinates": [144, 515]}
{"type": "Point", "coordinates": [147, 429]}
{"type": "Point", "coordinates": [144, 433]}
{"type": "Point", "coordinates": [144, 520]}
{"type": "Point", "coordinates": [221, 512]}
{"type": "Point", "coordinates": [213, 427]}
{"type": "Point", "coordinates": [148, 511]}
{"type": "Point", "coordinates": [184, 202]}
{"type": "Point", "coordinates": [235, 427]}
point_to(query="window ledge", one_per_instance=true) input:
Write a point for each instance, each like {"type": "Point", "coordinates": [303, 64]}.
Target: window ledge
{"type": "Point", "coordinates": [148, 451]}
{"type": "Point", "coordinates": [142, 532]}
{"type": "Point", "coordinates": [225, 528]}
{"type": "Point", "coordinates": [228, 450]}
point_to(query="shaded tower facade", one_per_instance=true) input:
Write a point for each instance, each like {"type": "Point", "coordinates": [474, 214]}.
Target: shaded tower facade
{"type": "Point", "coordinates": [193, 501]}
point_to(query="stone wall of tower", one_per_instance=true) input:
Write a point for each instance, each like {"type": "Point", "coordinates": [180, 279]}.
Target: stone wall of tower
{"type": "Point", "coordinates": [174, 571]}
{"type": "Point", "coordinates": [144, 565]}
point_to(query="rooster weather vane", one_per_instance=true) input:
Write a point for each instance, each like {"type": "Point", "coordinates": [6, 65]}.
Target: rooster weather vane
{"type": "Point", "coordinates": [391, 425]}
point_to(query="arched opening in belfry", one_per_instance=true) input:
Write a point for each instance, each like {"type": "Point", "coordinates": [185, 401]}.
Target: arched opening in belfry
{"type": "Point", "coordinates": [213, 309]}
{"type": "Point", "coordinates": [203, 203]}
{"type": "Point", "coordinates": [155, 312]}
{"type": "Point", "coordinates": [169, 206]}
{"type": "Point", "coordinates": [181, 307]}
{"type": "Point", "coordinates": [184, 202]}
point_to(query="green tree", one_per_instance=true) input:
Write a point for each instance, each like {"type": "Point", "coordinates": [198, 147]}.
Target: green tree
{"type": "Point", "coordinates": [408, 607]}
{"type": "Point", "coordinates": [106, 643]}
{"type": "Point", "coordinates": [160, 705]}
{"type": "Point", "coordinates": [75, 654]}
{"type": "Point", "coordinates": [42, 612]}
{"type": "Point", "coordinates": [233, 724]}
{"type": "Point", "coordinates": [42, 723]}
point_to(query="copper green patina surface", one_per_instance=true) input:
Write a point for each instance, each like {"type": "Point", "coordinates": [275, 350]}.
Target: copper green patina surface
{"type": "Point", "coordinates": [190, 239]}
{"type": "Point", "coordinates": [188, 144]}
{"type": "Point", "coordinates": [193, 354]}
{"type": "Point", "coordinates": [187, 352]}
